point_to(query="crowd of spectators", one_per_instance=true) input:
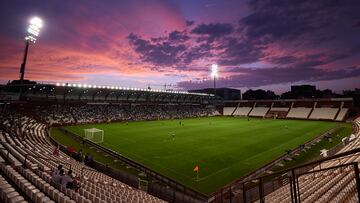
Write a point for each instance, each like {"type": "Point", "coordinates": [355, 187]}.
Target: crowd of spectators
{"type": "Point", "coordinates": [55, 114]}
{"type": "Point", "coordinates": [67, 180]}
{"type": "Point", "coordinates": [77, 114]}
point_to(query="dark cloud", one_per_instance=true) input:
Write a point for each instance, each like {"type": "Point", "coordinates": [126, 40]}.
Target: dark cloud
{"type": "Point", "coordinates": [171, 51]}
{"type": "Point", "coordinates": [305, 40]}
{"type": "Point", "coordinates": [305, 20]}
{"type": "Point", "coordinates": [238, 52]}
{"type": "Point", "coordinates": [197, 52]}
{"type": "Point", "coordinates": [320, 59]}
{"type": "Point", "coordinates": [255, 77]}
{"type": "Point", "coordinates": [159, 54]}
{"type": "Point", "coordinates": [177, 36]}
{"type": "Point", "coordinates": [213, 29]}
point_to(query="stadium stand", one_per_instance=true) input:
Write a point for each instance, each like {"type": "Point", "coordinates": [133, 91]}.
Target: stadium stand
{"type": "Point", "coordinates": [277, 112]}
{"type": "Point", "coordinates": [299, 112]}
{"type": "Point", "coordinates": [228, 111]}
{"type": "Point", "coordinates": [243, 108]}
{"type": "Point", "coordinates": [242, 111]}
{"type": "Point", "coordinates": [8, 193]}
{"type": "Point", "coordinates": [341, 115]}
{"type": "Point", "coordinates": [324, 113]}
{"type": "Point", "coordinates": [259, 111]}
{"type": "Point", "coordinates": [27, 161]}
{"type": "Point", "coordinates": [93, 113]}
{"type": "Point", "coordinates": [325, 109]}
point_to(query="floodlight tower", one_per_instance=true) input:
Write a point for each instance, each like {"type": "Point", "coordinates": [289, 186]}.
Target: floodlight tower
{"type": "Point", "coordinates": [214, 74]}
{"type": "Point", "coordinates": [33, 31]}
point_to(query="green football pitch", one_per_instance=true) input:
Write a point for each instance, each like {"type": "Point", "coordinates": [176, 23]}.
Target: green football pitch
{"type": "Point", "coordinates": [224, 148]}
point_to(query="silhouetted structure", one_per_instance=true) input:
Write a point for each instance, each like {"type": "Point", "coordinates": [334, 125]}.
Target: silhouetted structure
{"type": "Point", "coordinates": [355, 94]}
{"type": "Point", "coordinates": [308, 91]}
{"type": "Point", "coordinates": [225, 93]}
{"type": "Point", "coordinates": [259, 95]}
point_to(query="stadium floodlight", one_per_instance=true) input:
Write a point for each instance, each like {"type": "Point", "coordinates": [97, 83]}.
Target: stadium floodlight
{"type": "Point", "coordinates": [33, 31]}
{"type": "Point", "coordinates": [214, 70]}
{"type": "Point", "coordinates": [214, 74]}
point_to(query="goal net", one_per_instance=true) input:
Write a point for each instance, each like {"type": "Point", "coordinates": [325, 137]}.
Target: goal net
{"type": "Point", "coordinates": [94, 135]}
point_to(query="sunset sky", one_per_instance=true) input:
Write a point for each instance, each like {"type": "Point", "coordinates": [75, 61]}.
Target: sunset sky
{"type": "Point", "coordinates": [269, 44]}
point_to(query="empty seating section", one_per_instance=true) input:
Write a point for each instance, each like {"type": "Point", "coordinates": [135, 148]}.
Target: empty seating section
{"type": "Point", "coordinates": [259, 111]}
{"type": "Point", "coordinates": [8, 194]}
{"type": "Point", "coordinates": [324, 113]}
{"type": "Point", "coordinates": [242, 111]}
{"type": "Point", "coordinates": [332, 185]}
{"type": "Point", "coordinates": [332, 109]}
{"type": "Point", "coordinates": [228, 111]}
{"type": "Point", "coordinates": [299, 112]}
{"type": "Point", "coordinates": [341, 115]}
{"type": "Point", "coordinates": [286, 109]}
{"type": "Point", "coordinates": [35, 182]}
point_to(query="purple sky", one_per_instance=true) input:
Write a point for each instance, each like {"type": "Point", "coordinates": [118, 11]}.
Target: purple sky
{"type": "Point", "coordinates": [268, 44]}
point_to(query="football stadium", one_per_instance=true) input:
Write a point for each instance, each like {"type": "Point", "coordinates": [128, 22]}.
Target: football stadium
{"type": "Point", "coordinates": [89, 120]}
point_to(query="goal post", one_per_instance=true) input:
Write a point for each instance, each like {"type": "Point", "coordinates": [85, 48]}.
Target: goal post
{"type": "Point", "coordinates": [95, 135]}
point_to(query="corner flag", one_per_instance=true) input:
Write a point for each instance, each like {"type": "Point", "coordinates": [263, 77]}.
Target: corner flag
{"type": "Point", "coordinates": [196, 169]}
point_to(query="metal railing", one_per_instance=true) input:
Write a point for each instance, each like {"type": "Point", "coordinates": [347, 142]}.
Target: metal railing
{"type": "Point", "coordinates": [257, 189]}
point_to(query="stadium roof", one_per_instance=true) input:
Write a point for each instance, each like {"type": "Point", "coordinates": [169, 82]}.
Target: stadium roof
{"type": "Point", "coordinates": [98, 93]}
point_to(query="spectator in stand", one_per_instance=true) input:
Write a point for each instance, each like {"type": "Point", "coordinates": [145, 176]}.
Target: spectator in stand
{"type": "Point", "coordinates": [57, 171]}
{"type": "Point", "coordinates": [56, 151]}
{"type": "Point", "coordinates": [57, 179]}
{"type": "Point", "coordinates": [88, 159]}
{"type": "Point", "coordinates": [69, 181]}
{"type": "Point", "coordinates": [71, 150]}
{"type": "Point", "coordinates": [75, 155]}
{"type": "Point", "coordinates": [65, 114]}
{"type": "Point", "coordinates": [80, 156]}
